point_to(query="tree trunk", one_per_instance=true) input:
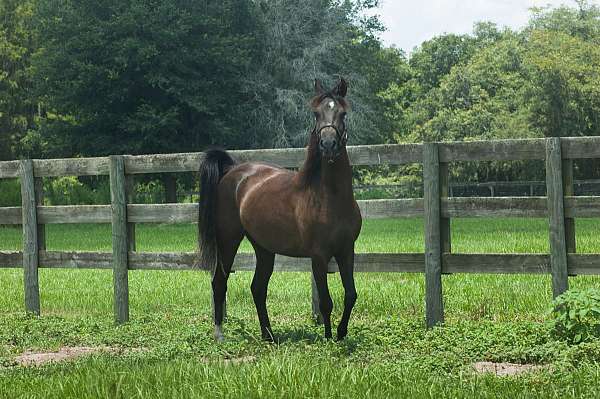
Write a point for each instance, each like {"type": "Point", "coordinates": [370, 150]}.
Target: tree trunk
{"type": "Point", "coordinates": [170, 183]}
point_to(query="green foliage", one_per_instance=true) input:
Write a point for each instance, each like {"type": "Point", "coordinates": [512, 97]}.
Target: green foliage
{"type": "Point", "coordinates": [145, 76]}
{"type": "Point", "coordinates": [151, 192]}
{"type": "Point", "coordinates": [539, 82]}
{"type": "Point", "coordinates": [299, 41]}
{"type": "Point", "coordinates": [142, 76]}
{"type": "Point", "coordinates": [18, 104]}
{"type": "Point", "coordinates": [69, 190]}
{"type": "Point", "coordinates": [10, 193]}
{"type": "Point", "coordinates": [576, 315]}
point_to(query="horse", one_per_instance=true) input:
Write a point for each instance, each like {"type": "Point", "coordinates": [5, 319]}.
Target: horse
{"type": "Point", "coordinates": [310, 213]}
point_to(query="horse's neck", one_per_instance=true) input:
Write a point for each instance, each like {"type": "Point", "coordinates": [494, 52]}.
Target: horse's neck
{"type": "Point", "coordinates": [334, 178]}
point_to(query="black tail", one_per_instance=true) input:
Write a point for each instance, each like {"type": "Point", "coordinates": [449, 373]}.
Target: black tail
{"type": "Point", "coordinates": [215, 164]}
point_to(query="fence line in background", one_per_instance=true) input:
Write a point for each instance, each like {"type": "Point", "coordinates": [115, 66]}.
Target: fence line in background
{"type": "Point", "coordinates": [560, 206]}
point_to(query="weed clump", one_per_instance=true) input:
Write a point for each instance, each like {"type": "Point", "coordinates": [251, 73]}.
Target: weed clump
{"type": "Point", "coordinates": [575, 316]}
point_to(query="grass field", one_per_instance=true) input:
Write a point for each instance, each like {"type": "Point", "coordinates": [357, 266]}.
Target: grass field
{"type": "Point", "coordinates": [169, 351]}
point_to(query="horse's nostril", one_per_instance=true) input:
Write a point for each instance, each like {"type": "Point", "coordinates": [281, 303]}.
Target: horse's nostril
{"type": "Point", "coordinates": [328, 144]}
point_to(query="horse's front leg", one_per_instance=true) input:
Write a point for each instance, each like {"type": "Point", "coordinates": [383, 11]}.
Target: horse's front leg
{"type": "Point", "coordinates": [319, 269]}
{"type": "Point", "coordinates": [346, 265]}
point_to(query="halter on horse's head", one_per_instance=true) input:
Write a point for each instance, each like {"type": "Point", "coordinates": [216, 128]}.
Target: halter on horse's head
{"type": "Point", "coordinates": [329, 108]}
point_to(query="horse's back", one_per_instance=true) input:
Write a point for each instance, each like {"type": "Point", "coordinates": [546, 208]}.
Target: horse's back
{"type": "Point", "coordinates": [264, 198]}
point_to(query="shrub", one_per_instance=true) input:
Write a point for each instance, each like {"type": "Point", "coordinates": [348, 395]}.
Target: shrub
{"type": "Point", "coordinates": [70, 191]}
{"type": "Point", "coordinates": [10, 193]}
{"type": "Point", "coordinates": [152, 192]}
{"type": "Point", "coordinates": [576, 315]}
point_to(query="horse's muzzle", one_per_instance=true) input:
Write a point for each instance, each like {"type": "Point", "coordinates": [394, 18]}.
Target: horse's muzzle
{"type": "Point", "coordinates": [329, 143]}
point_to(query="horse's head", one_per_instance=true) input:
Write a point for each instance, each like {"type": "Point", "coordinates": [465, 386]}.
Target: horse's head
{"type": "Point", "coordinates": [329, 108]}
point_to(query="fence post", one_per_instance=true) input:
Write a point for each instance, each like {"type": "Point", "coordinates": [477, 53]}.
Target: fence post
{"type": "Point", "coordinates": [130, 191]}
{"type": "Point", "coordinates": [445, 232]}
{"type": "Point", "coordinates": [39, 201]}
{"type": "Point", "coordinates": [556, 214]}
{"type": "Point", "coordinates": [119, 238]}
{"type": "Point", "coordinates": [569, 191]}
{"type": "Point", "coordinates": [434, 305]}
{"type": "Point", "coordinates": [30, 238]}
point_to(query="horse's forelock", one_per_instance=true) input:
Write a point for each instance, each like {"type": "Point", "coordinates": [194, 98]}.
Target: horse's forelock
{"type": "Point", "coordinates": [314, 103]}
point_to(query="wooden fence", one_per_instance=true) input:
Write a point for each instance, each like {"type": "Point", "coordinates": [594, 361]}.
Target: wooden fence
{"type": "Point", "coordinates": [560, 206]}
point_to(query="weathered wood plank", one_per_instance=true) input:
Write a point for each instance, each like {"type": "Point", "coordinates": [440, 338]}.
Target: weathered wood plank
{"type": "Point", "coordinates": [393, 154]}
{"type": "Point", "coordinates": [75, 214]}
{"type": "Point", "coordinates": [30, 238]}
{"type": "Point", "coordinates": [496, 263]}
{"type": "Point", "coordinates": [163, 163]}
{"type": "Point", "coordinates": [11, 215]}
{"type": "Point", "coordinates": [497, 150]}
{"type": "Point", "coordinates": [71, 167]}
{"type": "Point", "coordinates": [558, 245]}
{"type": "Point", "coordinates": [580, 147]}
{"type": "Point", "coordinates": [490, 207]}
{"type": "Point", "coordinates": [584, 264]}
{"type": "Point", "coordinates": [434, 305]}
{"type": "Point", "coordinates": [411, 263]}
{"type": "Point", "coordinates": [11, 259]}
{"type": "Point", "coordinates": [389, 208]}
{"type": "Point", "coordinates": [582, 207]}
{"type": "Point", "coordinates": [9, 169]}
{"type": "Point", "coordinates": [579, 264]}
{"type": "Point", "coordinates": [162, 213]}
{"type": "Point", "coordinates": [119, 238]}
{"type": "Point", "coordinates": [76, 260]}
{"type": "Point", "coordinates": [454, 207]}
{"type": "Point", "coordinates": [386, 154]}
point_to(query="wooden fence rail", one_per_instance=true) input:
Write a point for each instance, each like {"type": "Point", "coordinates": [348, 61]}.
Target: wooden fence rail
{"type": "Point", "coordinates": [560, 207]}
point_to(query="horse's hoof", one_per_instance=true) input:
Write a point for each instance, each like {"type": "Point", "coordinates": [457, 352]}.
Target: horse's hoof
{"type": "Point", "coordinates": [219, 337]}
{"type": "Point", "coordinates": [267, 336]}
{"type": "Point", "coordinates": [341, 334]}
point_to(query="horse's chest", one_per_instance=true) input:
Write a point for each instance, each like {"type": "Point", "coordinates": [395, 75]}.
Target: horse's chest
{"type": "Point", "coordinates": [333, 227]}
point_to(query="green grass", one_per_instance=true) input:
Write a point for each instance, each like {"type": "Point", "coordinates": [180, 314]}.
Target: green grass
{"type": "Point", "coordinates": [388, 352]}
{"type": "Point", "coordinates": [389, 235]}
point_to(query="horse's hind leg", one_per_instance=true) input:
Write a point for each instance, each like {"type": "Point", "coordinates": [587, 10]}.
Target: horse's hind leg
{"type": "Point", "coordinates": [260, 282]}
{"type": "Point", "coordinates": [228, 244]}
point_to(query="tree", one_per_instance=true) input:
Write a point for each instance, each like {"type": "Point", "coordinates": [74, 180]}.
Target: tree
{"type": "Point", "coordinates": [18, 105]}
{"type": "Point", "coordinates": [142, 76]}
{"type": "Point", "coordinates": [301, 40]}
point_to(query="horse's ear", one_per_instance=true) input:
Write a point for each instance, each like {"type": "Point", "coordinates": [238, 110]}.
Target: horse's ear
{"type": "Point", "coordinates": [342, 88]}
{"type": "Point", "coordinates": [319, 87]}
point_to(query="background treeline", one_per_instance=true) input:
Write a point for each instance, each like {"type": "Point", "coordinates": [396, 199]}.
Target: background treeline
{"type": "Point", "coordinates": [91, 77]}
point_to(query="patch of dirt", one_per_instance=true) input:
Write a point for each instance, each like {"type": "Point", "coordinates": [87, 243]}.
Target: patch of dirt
{"type": "Point", "coordinates": [506, 369]}
{"type": "Point", "coordinates": [240, 360]}
{"type": "Point", "coordinates": [30, 358]}
{"type": "Point", "coordinates": [231, 360]}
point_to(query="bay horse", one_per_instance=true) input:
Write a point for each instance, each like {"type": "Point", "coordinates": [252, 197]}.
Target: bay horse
{"type": "Point", "coordinates": [310, 213]}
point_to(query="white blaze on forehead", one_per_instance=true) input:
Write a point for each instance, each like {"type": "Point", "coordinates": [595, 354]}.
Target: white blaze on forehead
{"type": "Point", "coordinates": [331, 104]}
